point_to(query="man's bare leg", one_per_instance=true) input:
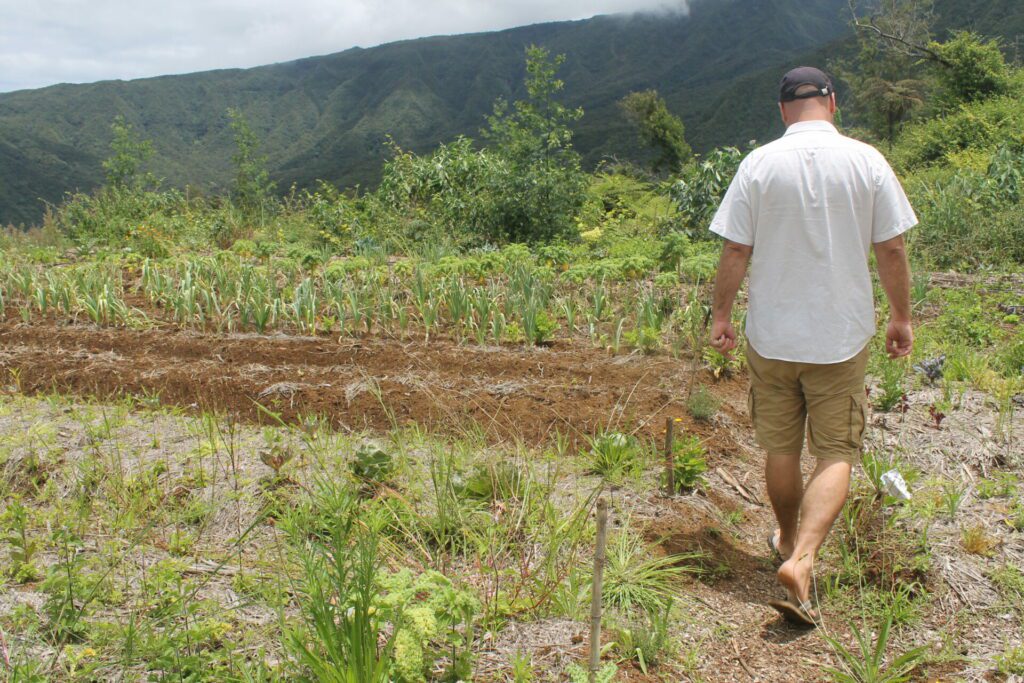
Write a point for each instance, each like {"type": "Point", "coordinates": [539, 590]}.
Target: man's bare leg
{"type": "Point", "coordinates": [785, 483]}
{"type": "Point", "coordinates": [823, 500]}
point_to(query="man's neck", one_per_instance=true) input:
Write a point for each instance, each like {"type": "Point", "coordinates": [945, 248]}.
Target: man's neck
{"type": "Point", "coordinates": [804, 118]}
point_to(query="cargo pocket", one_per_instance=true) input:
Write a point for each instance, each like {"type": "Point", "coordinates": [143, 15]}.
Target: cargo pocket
{"type": "Point", "coordinates": [858, 422]}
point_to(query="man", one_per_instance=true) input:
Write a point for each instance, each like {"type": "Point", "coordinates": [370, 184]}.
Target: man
{"type": "Point", "coordinates": [805, 210]}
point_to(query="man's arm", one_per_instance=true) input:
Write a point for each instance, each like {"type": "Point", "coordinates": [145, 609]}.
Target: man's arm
{"type": "Point", "coordinates": [894, 272]}
{"type": "Point", "coordinates": [732, 266]}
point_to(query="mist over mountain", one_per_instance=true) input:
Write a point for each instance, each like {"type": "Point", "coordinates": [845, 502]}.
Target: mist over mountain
{"type": "Point", "coordinates": [329, 117]}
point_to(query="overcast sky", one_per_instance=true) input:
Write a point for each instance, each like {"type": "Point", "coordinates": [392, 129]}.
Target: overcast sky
{"type": "Point", "coordinates": [43, 42]}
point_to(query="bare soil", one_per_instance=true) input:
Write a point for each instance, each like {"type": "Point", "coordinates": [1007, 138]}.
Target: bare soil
{"type": "Point", "coordinates": [507, 392]}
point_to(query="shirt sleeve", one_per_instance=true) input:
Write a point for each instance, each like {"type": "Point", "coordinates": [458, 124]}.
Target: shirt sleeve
{"type": "Point", "coordinates": [893, 214]}
{"type": "Point", "coordinates": [734, 219]}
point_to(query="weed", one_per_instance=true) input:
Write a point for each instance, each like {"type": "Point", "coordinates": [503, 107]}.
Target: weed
{"type": "Point", "coordinates": [1016, 518]}
{"type": "Point", "coordinates": [867, 664]}
{"type": "Point", "coordinates": [1011, 662]}
{"type": "Point", "coordinates": [647, 640]}
{"type": "Point", "coordinates": [637, 577]}
{"type": "Point", "coordinates": [646, 339]}
{"type": "Point", "coordinates": [977, 541]}
{"type": "Point", "coordinates": [613, 454]}
{"type": "Point", "coordinates": [1000, 486]}
{"type": "Point", "coordinates": [1009, 581]}
{"type": "Point", "coordinates": [340, 635]}
{"type": "Point", "coordinates": [702, 404]}
{"type": "Point", "coordinates": [497, 482]}
{"type": "Point", "coordinates": [952, 498]}
{"type": "Point", "coordinates": [278, 452]}
{"type": "Point", "coordinates": [521, 666]}
{"type": "Point", "coordinates": [372, 467]}
{"type": "Point", "coordinates": [690, 462]}
{"type": "Point", "coordinates": [22, 568]}
{"type": "Point", "coordinates": [578, 674]}
{"type": "Point", "coordinates": [893, 392]}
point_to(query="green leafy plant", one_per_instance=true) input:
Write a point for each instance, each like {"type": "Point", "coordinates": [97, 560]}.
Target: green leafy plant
{"type": "Point", "coordinates": [372, 467]}
{"type": "Point", "coordinates": [578, 674]}
{"type": "Point", "coordinates": [22, 568]}
{"type": "Point", "coordinates": [952, 498]}
{"type": "Point", "coordinates": [690, 462]}
{"type": "Point", "coordinates": [434, 619]}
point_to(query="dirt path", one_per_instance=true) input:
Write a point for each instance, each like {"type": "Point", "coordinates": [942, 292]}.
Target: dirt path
{"type": "Point", "coordinates": [510, 392]}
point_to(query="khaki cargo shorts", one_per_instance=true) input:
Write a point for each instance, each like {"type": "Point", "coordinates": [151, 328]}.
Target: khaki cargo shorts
{"type": "Point", "coordinates": [830, 399]}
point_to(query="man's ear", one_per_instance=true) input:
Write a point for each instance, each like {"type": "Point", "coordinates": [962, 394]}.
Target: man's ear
{"type": "Point", "coordinates": [832, 103]}
{"type": "Point", "coordinates": [782, 113]}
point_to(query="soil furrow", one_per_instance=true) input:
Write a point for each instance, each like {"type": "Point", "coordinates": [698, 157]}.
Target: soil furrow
{"type": "Point", "coordinates": [512, 392]}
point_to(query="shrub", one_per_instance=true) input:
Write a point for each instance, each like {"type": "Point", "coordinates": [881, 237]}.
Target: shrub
{"type": "Point", "coordinates": [702, 404]}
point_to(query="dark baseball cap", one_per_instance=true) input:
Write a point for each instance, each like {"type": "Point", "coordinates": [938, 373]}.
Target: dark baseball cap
{"type": "Point", "coordinates": [804, 75]}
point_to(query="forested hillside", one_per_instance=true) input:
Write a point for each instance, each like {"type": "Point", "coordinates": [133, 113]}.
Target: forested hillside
{"type": "Point", "coordinates": [329, 117]}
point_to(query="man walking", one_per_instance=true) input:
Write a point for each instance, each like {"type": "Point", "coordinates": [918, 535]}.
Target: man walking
{"type": "Point", "coordinates": [804, 211]}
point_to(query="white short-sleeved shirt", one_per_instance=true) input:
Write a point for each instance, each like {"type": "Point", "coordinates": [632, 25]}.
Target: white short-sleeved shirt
{"type": "Point", "coordinates": [811, 204]}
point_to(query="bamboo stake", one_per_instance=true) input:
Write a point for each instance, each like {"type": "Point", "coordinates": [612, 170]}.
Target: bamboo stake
{"type": "Point", "coordinates": [670, 470]}
{"type": "Point", "coordinates": [595, 594]}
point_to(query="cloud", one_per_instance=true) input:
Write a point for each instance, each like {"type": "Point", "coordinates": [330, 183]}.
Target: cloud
{"type": "Point", "coordinates": [55, 41]}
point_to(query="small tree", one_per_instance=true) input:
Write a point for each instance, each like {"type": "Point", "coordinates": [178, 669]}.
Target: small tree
{"type": "Point", "coordinates": [890, 102]}
{"type": "Point", "coordinates": [253, 188]}
{"type": "Point", "coordinates": [971, 68]}
{"type": "Point", "coordinates": [659, 128]}
{"type": "Point", "coordinates": [542, 186]}
{"type": "Point", "coordinates": [128, 154]}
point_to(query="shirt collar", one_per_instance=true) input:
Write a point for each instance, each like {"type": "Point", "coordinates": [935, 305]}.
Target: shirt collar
{"type": "Point", "coordinates": [811, 126]}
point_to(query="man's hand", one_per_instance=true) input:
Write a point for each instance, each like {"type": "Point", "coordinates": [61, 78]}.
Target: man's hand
{"type": "Point", "coordinates": [732, 266]}
{"type": "Point", "coordinates": [899, 339]}
{"type": "Point", "coordinates": [723, 337]}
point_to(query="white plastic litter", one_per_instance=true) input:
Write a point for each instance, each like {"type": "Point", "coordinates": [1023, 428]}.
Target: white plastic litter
{"type": "Point", "coordinates": [895, 486]}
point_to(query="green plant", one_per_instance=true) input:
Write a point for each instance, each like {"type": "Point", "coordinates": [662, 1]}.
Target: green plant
{"type": "Point", "coordinates": [646, 339]}
{"type": "Point", "coordinates": [867, 663]}
{"type": "Point", "coordinates": [1009, 581]}
{"type": "Point", "coordinates": [647, 640]}
{"type": "Point", "coordinates": [690, 462]}
{"type": "Point", "coordinates": [638, 577]}
{"type": "Point", "coordinates": [372, 467]}
{"type": "Point", "coordinates": [613, 454]}
{"type": "Point", "coordinates": [578, 674]}
{"type": "Point", "coordinates": [22, 568]}
{"type": "Point", "coordinates": [952, 498]}
{"type": "Point", "coordinates": [1001, 485]}
{"type": "Point", "coordinates": [497, 482]}
{"type": "Point", "coordinates": [340, 637]}
{"type": "Point", "coordinates": [1011, 661]}
{"type": "Point", "coordinates": [891, 384]}
{"type": "Point", "coordinates": [433, 619]}
{"type": "Point", "coordinates": [702, 404]}
{"type": "Point", "coordinates": [521, 665]}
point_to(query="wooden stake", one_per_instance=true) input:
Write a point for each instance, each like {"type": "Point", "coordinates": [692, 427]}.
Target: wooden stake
{"type": "Point", "coordinates": [595, 593]}
{"type": "Point", "coordinates": [670, 465]}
